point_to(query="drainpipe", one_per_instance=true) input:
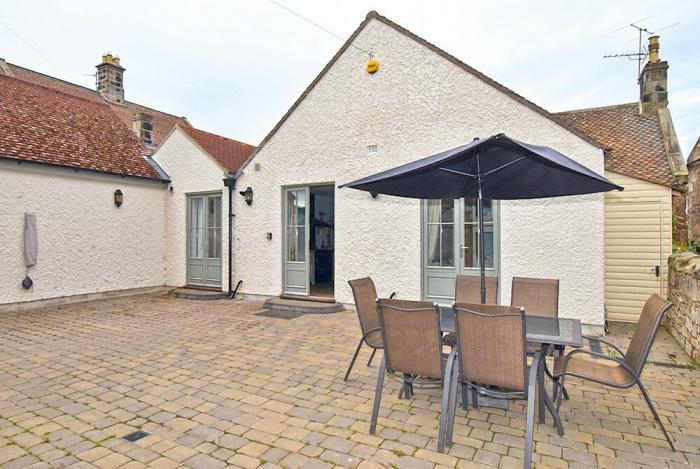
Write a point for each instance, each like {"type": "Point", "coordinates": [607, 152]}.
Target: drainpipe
{"type": "Point", "coordinates": [230, 182]}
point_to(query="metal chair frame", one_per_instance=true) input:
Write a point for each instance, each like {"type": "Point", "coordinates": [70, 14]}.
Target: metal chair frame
{"type": "Point", "coordinates": [636, 375]}
{"type": "Point", "coordinates": [363, 339]}
{"type": "Point", "coordinates": [385, 366]}
{"type": "Point", "coordinates": [530, 383]}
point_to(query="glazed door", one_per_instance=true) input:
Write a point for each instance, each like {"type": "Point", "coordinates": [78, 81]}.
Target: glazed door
{"type": "Point", "coordinates": [450, 244]}
{"type": "Point", "coordinates": [296, 235]}
{"type": "Point", "coordinates": [204, 240]}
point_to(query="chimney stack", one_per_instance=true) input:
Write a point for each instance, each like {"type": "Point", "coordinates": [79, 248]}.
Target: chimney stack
{"type": "Point", "coordinates": [653, 82]}
{"type": "Point", "coordinates": [110, 79]}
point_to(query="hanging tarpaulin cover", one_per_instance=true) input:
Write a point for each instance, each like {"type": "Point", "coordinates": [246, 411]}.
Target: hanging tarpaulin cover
{"type": "Point", "coordinates": [31, 241]}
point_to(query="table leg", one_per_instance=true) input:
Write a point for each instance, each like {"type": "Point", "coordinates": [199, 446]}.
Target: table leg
{"type": "Point", "coordinates": [541, 389]}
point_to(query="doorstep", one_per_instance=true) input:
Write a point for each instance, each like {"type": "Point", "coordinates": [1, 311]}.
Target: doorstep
{"type": "Point", "coordinates": [305, 305]}
{"type": "Point", "coordinates": [197, 294]}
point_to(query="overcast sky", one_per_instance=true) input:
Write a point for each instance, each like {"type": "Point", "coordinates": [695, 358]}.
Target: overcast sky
{"type": "Point", "coordinates": [235, 67]}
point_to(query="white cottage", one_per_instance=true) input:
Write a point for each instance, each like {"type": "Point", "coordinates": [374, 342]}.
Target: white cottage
{"type": "Point", "coordinates": [303, 236]}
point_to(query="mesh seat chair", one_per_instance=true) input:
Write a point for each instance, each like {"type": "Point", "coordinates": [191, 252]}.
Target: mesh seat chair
{"type": "Point", "coordinates": [492, 360]}
{"type": "Point", "coordinates": [468, 289]}
{"type": "Point", "coordinates": [627, 369]}
{"type": "Point", "coordinates": [412, 347]}
{"type": "Point", "coordinates": [539, 297]}
{"type": "Point", "coordinates": [365, 295]}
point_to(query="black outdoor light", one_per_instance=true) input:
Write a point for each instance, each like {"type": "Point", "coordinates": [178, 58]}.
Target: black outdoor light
{"type": "Point", "coordinates": [247, 195]}
{"type": "Point", "coordinates": [118, 197]}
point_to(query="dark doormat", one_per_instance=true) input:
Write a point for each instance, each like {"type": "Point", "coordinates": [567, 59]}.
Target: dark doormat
{"type": "Point", "coordinates": [278, 314]}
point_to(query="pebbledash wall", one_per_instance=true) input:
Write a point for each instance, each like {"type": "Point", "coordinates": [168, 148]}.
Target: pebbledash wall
{"type": "Point", "coordinates": [86, 244]}
{"type": "Point", "coordinates": [417, 104]}
{"type": "Point", "coordinates": [191, 171]}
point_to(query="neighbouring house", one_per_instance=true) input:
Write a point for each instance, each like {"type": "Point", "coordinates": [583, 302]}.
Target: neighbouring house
{"type": "Point", "coordinates": [642, 155]}
{"type": "Point", "coordinates": [694, 193]}
{"type": "Point", "coordinates": [109, 217]}
{"type": "Point", "coordinates": [303, 236]}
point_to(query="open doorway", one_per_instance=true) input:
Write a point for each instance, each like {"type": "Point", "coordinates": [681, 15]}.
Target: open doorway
{"type": "Point", "coordinates": [322, 241]}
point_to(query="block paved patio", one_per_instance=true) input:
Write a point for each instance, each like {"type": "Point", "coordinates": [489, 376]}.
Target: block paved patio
{"type": "Point", "coordinates": [216, 385]}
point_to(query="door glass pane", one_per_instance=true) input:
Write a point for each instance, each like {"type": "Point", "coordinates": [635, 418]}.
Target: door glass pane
{"type": "Point", "coordinates": [196, 242]}
{"type": "Point", "coordinates": [471, 214]}
{"type": "Point", "coordinates": [296, 240]}
{"type": "Point", "coordinates": [296, 208]}
{"type": "Point", "coordinates": [214, 212]}
{"type": "Point", "coordinates": [214, 243]}
{"type": "Point", "coordinates": [448, 245]}
{"type": "Point", "coordinates": [440, 233]}
{"type": "Point", "coordinates": [471, 245]}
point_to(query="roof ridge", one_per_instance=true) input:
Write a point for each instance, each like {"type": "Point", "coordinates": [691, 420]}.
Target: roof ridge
{"type": "Point", "coordinates": [485, 78]}
{"type": "Point", "coordinates": [86, 89]}
{"type": "Point", "coordinates": [220, 136]}
{"type": "Point", "coordinates": [53, 90]}
{"type": "Point", "coordinates": [599, 108]}
{"type": "Point", "coordinates": [373, 14]}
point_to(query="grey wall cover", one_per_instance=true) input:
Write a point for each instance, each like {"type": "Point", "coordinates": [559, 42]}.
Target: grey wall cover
{"type": "Point", "coordinates": [31, 242]}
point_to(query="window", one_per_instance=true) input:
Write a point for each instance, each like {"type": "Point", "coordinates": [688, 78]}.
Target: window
{"type": "Point", "coordinates": [441, 233]}
{"type": "Point", "coordinates": [146, 130]}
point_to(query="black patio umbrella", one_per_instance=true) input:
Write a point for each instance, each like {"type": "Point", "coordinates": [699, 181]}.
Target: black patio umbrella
{"type": "Point", "coordinates": [496, 168]}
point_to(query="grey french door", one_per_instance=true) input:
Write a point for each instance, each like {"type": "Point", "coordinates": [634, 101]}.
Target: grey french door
{"type": "Point", "coordinates": [450, 244]}
{"type": "Point", "coordinates": [204, 240]}
{"type": "Point", "coordinates": [296, 235]}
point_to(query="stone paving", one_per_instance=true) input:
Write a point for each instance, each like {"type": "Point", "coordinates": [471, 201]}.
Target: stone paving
{"type": "Point", "coordinates": [215, 386]}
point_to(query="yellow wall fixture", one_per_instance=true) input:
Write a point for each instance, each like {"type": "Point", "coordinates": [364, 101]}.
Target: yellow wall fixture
{"type": "Point", "coordinates": [372, 66]}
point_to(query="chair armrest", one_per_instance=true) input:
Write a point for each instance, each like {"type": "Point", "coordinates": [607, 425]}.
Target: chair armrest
{"type": "Point", "coordinates": [602, 356]}
{"type": "Point", "coordinates": [591, 338]}
{"type": "Point", "coordinates": [364, 337]}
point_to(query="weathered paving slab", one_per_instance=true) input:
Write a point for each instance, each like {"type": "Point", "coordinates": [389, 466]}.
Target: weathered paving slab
{"type": "Point", "coordinates": [216, 385]}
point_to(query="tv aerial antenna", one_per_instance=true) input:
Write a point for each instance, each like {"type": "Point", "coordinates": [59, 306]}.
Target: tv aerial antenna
{"type": "Point", "coordinates": [642, 52]}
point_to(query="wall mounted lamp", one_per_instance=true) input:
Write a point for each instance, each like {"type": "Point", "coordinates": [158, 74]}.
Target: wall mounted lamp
{"type": "Point", "coordinates": [247, 195]}
{"type": "Point", "coordinates": [118, 198]}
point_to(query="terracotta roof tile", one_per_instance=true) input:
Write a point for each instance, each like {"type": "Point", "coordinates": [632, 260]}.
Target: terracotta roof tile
{"type": "Point", "coordinates": [163, 122]}
{"type": "Point", "coordinates": [229, 153]}
{"type": "Point", "coordinates": [48, 126]}
{"type": "Point", "coordinates": [635, 142]}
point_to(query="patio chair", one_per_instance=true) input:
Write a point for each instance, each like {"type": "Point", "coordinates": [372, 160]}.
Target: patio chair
{"type": "Point", "coordinates": [365, 295]}
{"type": "Point", "coordinates": [626, 370]}
{"type": "Point", "coordinates": [492, 361]}
{"type": "Point", "coordinates": [412, 347]}
{"type": "Point", "coordinates": [468, 289]}
{"type": "Point", "coordinates": [539, 297]}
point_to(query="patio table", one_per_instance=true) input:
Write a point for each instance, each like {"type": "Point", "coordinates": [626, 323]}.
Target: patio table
{"type": "Point", "coordinates": [559, 332]}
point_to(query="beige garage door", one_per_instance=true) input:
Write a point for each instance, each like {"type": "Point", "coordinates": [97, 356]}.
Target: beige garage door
{"type": "Point", "coordinates": [634, 269]}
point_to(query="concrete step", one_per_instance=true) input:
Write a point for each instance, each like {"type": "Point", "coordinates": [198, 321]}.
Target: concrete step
{"type": "Point", "coordinates": [197, 294]}
{"type": "Point", "coordinates": [302, 306]}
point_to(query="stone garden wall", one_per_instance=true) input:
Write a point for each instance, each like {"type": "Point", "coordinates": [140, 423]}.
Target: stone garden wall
{"type": "Point", "coordinates": [683, 320]}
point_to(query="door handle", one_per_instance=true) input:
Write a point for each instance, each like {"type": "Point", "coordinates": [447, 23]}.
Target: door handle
{"type": "Point", "coordinates": [657, 270]}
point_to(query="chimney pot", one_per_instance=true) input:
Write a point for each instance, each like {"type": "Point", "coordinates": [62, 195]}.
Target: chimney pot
{"type": "Point", "coordinates": [653, 82]}
{"type": "Point", "coordinates": [653, 49]}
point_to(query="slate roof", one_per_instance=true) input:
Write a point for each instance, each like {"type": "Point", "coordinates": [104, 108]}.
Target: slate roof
{"type": "Point", "coordinates": [48, 126]}
{"type": "Point", "coordinates": [634, 143]}
{"type": "Point", "coordinates": [228, 153]}
{"type": "Point", "coordinates": [163, 122]}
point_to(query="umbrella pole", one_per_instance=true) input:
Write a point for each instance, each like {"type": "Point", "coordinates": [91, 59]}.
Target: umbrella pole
{"type": "Point", "coordinates": [480, 215]}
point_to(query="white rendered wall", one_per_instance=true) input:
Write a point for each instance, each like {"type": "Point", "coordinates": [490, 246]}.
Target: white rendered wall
{"type": "Point", "coordinates": [86, 244]}
{"type": "Point", "coordinates": [191, 171]}
{"type": "Point", "coordinates": [416, 105]}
